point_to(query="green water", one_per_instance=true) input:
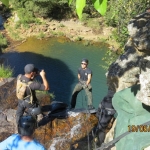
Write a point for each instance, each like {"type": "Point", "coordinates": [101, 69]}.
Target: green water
{"type": "Point", "coordinates": [60, 60]}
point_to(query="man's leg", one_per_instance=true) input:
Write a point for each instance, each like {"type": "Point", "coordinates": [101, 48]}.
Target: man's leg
{"type": "Point", "coordinates": [88, 92]}
{"type": "Point", "coordinates": [76, 90]}
{"type": "Point", "coordinates": [30, 107]}
{"type": "Point", "coordinates": [20, 110]}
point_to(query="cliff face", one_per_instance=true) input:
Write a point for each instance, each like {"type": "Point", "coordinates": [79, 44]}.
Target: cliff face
{"type": "Point", "coordinates": [124, 72]}
{"type": "Point", "coordinates": [133, 67]}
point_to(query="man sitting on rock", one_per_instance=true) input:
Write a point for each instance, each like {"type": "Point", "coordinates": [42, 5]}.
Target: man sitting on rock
{"type": "Point", "coordinates": [23, 140]}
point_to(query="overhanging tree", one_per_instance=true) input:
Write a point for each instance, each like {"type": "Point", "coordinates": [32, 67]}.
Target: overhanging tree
{"type": "Point", "coordinates": [99, 5]}
{"type": "Point", "coordinates": [5, 2]}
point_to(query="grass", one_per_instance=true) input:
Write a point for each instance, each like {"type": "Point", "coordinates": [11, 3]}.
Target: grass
{"type": "Point", "coordinates": [51, 95]}
{"type": "Point", "coordinates": [41, 35]}
{"type": "Point", "coordinates": [3, 40]}
{"type": "Point", "coordinates": [6, 71]}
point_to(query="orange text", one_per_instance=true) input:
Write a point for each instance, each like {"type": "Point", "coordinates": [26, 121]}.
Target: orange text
{"type": "Point", "coordinates": [139, 128]}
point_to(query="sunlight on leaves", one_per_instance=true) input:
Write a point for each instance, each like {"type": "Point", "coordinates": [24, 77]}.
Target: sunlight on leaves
{"type": "Point", "coordinates": [100, 6]}
{"type": "Point", "coordinates": [5, 2]}
{"type": "Point", "coordinates": [80, 4]}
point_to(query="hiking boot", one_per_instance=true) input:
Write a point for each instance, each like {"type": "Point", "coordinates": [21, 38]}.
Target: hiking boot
{"type": "Point", "coordinates": [91, 107]}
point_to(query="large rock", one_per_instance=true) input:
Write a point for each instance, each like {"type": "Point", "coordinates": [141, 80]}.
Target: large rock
{"type": "Point", "coordinates": [124, 72]}
{"type": "Point", "coordinates": [54, 134]}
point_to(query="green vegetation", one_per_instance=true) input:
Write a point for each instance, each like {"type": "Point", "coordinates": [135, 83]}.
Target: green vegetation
{"type": "Point", "coordinates": [41, 35]}
{"type": "Point", "coordinates": [3, 42]}
{"type": "Point", "coordinates": [6, 71]}
{"type": "Point", "coordinates": [51, 95]}
{"type": "Point", "coordinates": [119, 13]}
{"type": "Point", "coordinates": [109, 57]}
{"type": "Point", "coordinates": [100, 6]}
{"type": "Point", "coordinates": [5, 2]}
{"type": "Point", "coordinates": [78, 38]}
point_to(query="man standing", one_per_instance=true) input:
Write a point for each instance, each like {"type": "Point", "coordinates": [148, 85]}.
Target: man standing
{"type": "Point", "coordinates": [23, 140]}
{"type": "Point", "coordinates": [84, 77]}
{"type": "Point", "coordinates": [26, 104]}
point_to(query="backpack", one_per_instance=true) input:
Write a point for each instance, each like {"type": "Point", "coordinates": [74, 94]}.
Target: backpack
{"type": "Point", "coordinates": [105, 112]}
{"type": "Point", "coordinates": [21, 89]}
{"type": "Point", "coordinates": [105, 115]}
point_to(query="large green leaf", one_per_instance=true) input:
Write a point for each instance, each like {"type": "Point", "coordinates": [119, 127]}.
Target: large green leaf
{"type": "Point", "coordinates": [5, 2]}
{"type": "Point", "coordinates": [80, 4]}
{"type": "Point", "coordinates": [70, 1]}
{"type": "Point", "coordinates": [100, 6]}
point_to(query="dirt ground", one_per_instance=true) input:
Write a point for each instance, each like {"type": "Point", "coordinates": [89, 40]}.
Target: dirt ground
{"type": "Point", "coordinates": [73, 29]}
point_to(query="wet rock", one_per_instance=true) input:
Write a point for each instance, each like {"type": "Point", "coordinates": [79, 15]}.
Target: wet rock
{"type": "Point", "coordinates": [64, 132]}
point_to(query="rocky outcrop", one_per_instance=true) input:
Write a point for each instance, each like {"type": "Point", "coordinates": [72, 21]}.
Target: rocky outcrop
{"type": "Point", "coordinates": [54, 133]}
{"type": "Point", "coordinates": [125, 71]}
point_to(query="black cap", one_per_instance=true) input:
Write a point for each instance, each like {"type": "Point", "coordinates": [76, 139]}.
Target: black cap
{"type": "Point", "coordinates": [85, 60]}
{"type": "Point", "coordinates": [30, 68]}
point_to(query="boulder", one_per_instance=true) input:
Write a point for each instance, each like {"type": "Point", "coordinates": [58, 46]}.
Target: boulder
{"type": "Point", "coordinates": [54, 133]}
{"type": "Point", "coordinates": [125, 71]}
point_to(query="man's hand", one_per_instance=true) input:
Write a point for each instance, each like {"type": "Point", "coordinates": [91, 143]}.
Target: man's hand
{"type": "Point", "coordinates": [43, 74]}
{"type": "Point", "coordinates": [85, 86]}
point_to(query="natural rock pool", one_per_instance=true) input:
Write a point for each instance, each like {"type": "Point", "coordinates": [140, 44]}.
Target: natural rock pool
{"type": "Point", "coordinates": [61, 59]}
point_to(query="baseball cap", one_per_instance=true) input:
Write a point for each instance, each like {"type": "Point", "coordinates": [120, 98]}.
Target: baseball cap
{"type": "Point", "coordinates": [30, 68]}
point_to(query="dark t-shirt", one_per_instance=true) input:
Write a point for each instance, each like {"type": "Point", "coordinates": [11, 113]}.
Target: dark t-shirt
{"type": "Point", "coordinates": [84, 73]}
{"type": "Point", "coordinates": [34, 86]}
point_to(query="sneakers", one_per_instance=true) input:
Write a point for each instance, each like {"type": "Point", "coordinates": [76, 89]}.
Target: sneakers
{"type": "Point", "coordinates": [91, 107]}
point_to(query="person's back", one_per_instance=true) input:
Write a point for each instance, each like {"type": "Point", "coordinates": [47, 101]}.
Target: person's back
{"type": "Point", "coordinates": [30, 100]}
{"type": "Point", "coordinates": [23, 140]}
{"type": "Point", "coordinates": [15, 142]}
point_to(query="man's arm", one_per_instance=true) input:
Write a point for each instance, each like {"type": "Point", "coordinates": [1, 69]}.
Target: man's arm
{"type": "Point", "coordinates": [89, 79]}
{"type": "Point", "coordinates": [45, 82]}
{"type": "Point", "coordinates": [78, 76]}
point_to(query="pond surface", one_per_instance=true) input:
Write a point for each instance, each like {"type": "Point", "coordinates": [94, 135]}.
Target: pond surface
{"type": "Point", "coordinates": [60, 60]}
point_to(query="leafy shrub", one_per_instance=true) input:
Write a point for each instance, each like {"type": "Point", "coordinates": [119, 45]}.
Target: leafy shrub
{"type": "Point", "coordinates": [39, 8]}
{"type": "Point", "coordinates": [3, 40]}
{"type": "Point", "coordinates": [120, 12]}
{"type": "Point", "coordinates": [6, 71]}
{"type": "Point", "coordinates": [109, 57]}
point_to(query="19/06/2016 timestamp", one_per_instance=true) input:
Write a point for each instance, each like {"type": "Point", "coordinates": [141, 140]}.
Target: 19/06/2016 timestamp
{"type": "Point", "coordinates": [138, 128]}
